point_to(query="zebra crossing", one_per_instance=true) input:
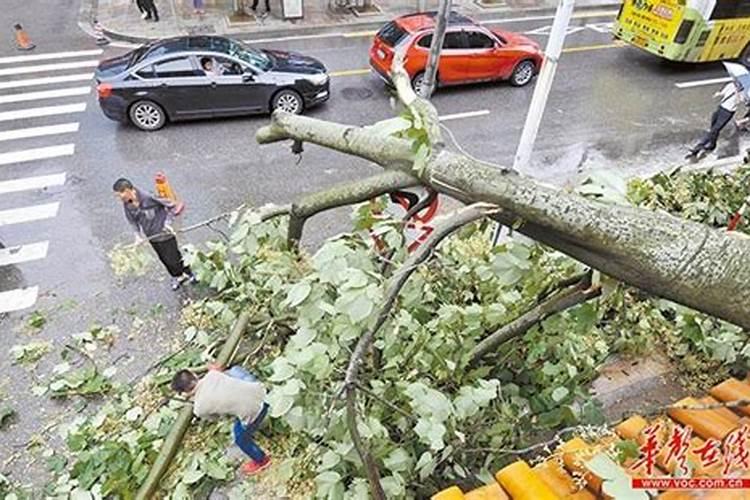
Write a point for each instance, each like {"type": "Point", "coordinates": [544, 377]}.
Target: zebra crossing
{"type": "Point", "coordinates": [41, 96]}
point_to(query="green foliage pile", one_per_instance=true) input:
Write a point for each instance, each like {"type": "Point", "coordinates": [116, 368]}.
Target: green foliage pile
{"type": "Point", "coordinates": [428, 417]}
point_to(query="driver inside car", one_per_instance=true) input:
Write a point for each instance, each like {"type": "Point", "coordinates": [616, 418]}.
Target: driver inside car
{"type": "Point", "coordinates": [211, 67]}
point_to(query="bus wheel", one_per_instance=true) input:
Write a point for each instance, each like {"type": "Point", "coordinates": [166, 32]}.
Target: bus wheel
{"type": "Point", "coordinates": [745, 57]}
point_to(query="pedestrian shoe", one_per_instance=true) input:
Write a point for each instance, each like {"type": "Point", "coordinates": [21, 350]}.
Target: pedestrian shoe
{"type": "Point", "coordinates": [252, 467]}
{"type": "Point", "coordinates": [176, 283]}
{"type": "Point", "coordinates": [145, 15]}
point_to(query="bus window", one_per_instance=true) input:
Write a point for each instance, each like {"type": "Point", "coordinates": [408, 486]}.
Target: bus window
{"type": "Point", "coordinates": [731, 9]}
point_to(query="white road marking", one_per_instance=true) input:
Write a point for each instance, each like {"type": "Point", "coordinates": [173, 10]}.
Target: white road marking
{"type": "Point", "coordinates": [357, 34]}
{"type": "Point", "coordinates": [296, 37]}
{"type": "Point", "coordinates": [20, 70]}
{"type": "Point", "coordinates": [605, 28]}
{"type": "Point", "coordinates": [25, 133]}
{"type": "Point", "coordinates": [44, 94]}
{"type": "Point", "coordinates": [36, 154]}
{"type": "Point", "coordinates": [20, 298]}
{"type": "Point", "coordinates": [545, 30]}
{"type": "Point", "coordinates": [700, 83]}
{"type": "Point", "coordinates": [50, 55]}
{"type": "Point", "coordinates": [28, 214]}
{"type": "Point", "coordinates": [583, 15]}
{"type": "Point", "coordinates": [23, 253]}
{"type": "Point", "coordinates": [30, 82]}
{"type": "Point", "coordinates": [30, 183]}
{"type": "Point", "coordinates": [467, 114]}
{"type": "Point", "coordinates": [45, 111]}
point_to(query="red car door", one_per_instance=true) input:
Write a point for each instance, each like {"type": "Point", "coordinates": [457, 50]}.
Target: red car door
{"type": "Point", "coordinates": [454, 59]}
{"type": "Point", "coordinates": [488, 59]}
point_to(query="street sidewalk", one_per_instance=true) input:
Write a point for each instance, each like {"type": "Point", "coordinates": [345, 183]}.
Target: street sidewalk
{"type": "Point", "coordinates": [121, 19]}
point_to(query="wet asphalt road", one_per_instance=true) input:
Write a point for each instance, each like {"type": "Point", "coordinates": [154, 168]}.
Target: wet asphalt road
{"type": "Point", "coordinates": [611, 108]}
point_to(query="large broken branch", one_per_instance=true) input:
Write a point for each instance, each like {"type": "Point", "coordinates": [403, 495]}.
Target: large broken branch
{"type": "Point", "coordinates": [680, 260]}
{"type": "Point", "coordinates": [174, 439]}
{"type": "Point", "coordinates": [341, 195]}
{"type": "Point", "coordinates": [355, 141]}
{"type": "Point", "coordinates": [558, 302]}
{"type": "Point", "coordinates": [442, 229]}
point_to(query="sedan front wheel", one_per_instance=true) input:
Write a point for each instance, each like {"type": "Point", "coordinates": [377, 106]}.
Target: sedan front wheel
{"type": "Point", "coordinates": [147, 115]}
{"type": "Point", "coordinates": [288, 101]}
{"type": "Point", "coordinates": [522, 73]}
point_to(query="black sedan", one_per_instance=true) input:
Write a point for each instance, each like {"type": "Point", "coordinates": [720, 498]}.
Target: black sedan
{"type": "Point", "coordinates": [206, 76]}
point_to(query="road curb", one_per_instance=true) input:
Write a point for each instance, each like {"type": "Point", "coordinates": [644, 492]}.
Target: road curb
{"type": "Point", "coordinates": [326, 28]}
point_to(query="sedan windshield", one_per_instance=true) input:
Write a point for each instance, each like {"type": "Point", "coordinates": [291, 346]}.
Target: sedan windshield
{"type": "Point", "coordinates": [254, 57]}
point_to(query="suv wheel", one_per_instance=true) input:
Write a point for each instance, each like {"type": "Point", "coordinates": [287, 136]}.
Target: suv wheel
{"type": "Point", "coordinates": [523, 73]}
{"type": "Point", "coordinates": [418, 83]}
{"type": "Point", "coordinates": [147, 115]}
{"type": "Point", "coordinates": [289, 101]}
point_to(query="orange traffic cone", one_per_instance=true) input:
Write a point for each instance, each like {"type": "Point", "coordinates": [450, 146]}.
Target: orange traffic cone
{"type": "Point", "coordinates": [164, 190]}
{"type": "Point", "coordinates": [23, 42]}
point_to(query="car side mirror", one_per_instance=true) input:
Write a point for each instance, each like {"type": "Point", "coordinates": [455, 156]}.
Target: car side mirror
{"type": "Point", "coordinates": [248, 77]}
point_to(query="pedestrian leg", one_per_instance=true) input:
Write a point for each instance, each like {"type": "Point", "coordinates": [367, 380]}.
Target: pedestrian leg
{"type": "Point", "coordinates": [723, 117]}
{"type": "Point", "coordinates": [268, 7]}
{"type": "Point", "coordinates": [169, 254]}
{"type": "Point", "coordinates": [143, 7]}
{"type": "Point", "coordinates": [243, 438]}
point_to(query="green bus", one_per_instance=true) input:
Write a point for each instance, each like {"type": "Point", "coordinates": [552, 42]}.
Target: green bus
{"type": "Point", "coordinates": [687, 30]}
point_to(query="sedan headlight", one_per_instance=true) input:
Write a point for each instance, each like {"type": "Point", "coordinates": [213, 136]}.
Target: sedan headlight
{"type": "Point", "coordinates": [317, 79]}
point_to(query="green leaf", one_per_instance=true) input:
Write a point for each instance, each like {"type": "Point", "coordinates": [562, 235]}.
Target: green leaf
{"type": "Point", "coordinates": [398, 460]}
{"type": "Point", "coordinates": [559, 394]}
{"type": "Point", "coordinates": [420, 159]}
{"type": "Point", "coordinates": [298, 293]}
{"type": "Point", "coordinates": [426, 465]}
{"type": "Point", "coordinates": [192, 476]}
{"type": "Point", "coordinates": [282, 370]}
{"type": "Point", "coordinates": [626, 449]}
{"type": "Point", "coordinates": [329, 460]}
{"type": "Point", "coordinates": [390, 126]}
{"type": "Point", "coordinates": [215, 470]}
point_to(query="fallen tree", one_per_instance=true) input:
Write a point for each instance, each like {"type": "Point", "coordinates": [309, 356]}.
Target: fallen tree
{"type": "Point", "coordinates": [654, 251]}
{"type": "Point", "coordinates": [689, 263]}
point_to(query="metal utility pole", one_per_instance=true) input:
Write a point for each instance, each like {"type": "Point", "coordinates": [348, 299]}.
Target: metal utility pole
{"type": "Point", "coordinates": [541, 91]}
{"type": "Point", "coordinates": [436, 47]}
{"type": "Point", "coordinates": [543, 84]}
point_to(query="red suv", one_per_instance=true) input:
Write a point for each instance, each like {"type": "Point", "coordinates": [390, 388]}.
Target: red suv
{"type": "Point", "coordinates": [471, 53]}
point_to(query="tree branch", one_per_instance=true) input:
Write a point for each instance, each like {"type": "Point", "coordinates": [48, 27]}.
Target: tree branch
{"type": "Point", "coordinates": [341, 195]}
{"type": "Point", "coordinates": [371, 468]}
{"type": "Point", "coordinates": [558, 302]}
{"type": "Point", "coordinates": [174, 439]}
{"type": "Point", "coordinates": [442, 229]}
{"type": "Point", "coordinates": [424, 113]}
{"type": "Point", "coordinates": [379, 149]}
{"type": "Point", "coordinates": [683, 261]}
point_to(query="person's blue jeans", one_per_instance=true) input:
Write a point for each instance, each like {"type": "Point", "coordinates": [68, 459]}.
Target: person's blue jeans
{"type": "Point", "coordinates": [243, 434]}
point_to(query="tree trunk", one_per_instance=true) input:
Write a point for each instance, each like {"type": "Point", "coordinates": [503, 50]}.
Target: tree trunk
{"type": "Point", "coordinates": [687, 262]}
{"type": "Point", "coordinates": [174, 439]}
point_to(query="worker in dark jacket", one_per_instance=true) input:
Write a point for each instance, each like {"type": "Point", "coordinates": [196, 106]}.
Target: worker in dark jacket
{"type": "Point", "coordinates": [150, 217]}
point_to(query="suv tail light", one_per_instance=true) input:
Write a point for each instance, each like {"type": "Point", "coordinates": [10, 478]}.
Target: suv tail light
{"type": "Point", "coordinates": [104, 90]}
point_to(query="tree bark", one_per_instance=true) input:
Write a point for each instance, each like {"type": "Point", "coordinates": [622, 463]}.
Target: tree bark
{"type": "Point", "coordinates": [558, 302]}
{"type": "Point", "coordinates": [341, 195]}
{"type": "Point", "coordinates": [174, 439]}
